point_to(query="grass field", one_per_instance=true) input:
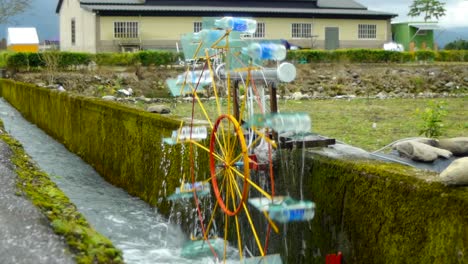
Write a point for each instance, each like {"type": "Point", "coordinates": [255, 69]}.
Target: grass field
{"type": "Point", "coordinates": [351, 121]}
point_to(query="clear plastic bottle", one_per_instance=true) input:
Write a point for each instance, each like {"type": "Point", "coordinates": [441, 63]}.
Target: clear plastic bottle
{"type": "Point", "coordinates": [195, 133]}
{"type": "Point", "coordinates": [193, 77]}
{"type": "Point", "coordinates": [289, 122]}
{"type": "Point", "coordinates": [208, 36]}
{"type": "Point", "coordinates": [292, 211]}
{"type": "Point", "coordinates": [266, 51]}
{"type": "Point", "coordinates": [244, 25]}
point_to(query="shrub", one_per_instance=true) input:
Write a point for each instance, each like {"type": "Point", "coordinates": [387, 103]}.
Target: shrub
{"type": "Point", "coordinates": [116, 59]}
{"type": "Point", "coordinates": [351, 55]}
{"type": "Point", "coordinates": [69, 59]}
{"type": "Point", "coordinates": [18, 60]}
{"type": "Point", "coordinates": [4, 58]}
{"type": "Point", "coordinates": [458, 44]}
{"type": "Point", "coordinates": [425, 55]}
{"type": "Point", "coordinates": [35, 60]}
{"type": "Point", "coordinates": [147, 58]}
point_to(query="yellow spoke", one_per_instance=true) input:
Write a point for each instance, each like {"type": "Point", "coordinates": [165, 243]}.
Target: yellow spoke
{"type": "Point", "coordinates": [232, 181]}
{"type": "Point", "coordinates": [225, 235]}
{"type": "Point", "coordinates": [223, 136]}
{"type": "Point", "coordinates": [252, 227]}
{"type": "Point", "coordinates": [228, 75]}
{"type": "Point", "coordinates": [205, 113]}
{"type": "Point", "coordinates": [215, 89]}
{"type": "Point", "coordinates": [221, 146]}
{"type": "Point", "coordinates": [236, 158]}
{"type": "Point", "coordinates": [206, 149]}
{"type": "Point", "coordinates": [272, 224]}
{"type": "Point", "coordinates": [232, 144]}
{"type": "Point", "coordinates": [255, 142]}
{"type": "Point", "coordinates": [262, 135]}
{"type": "Point", "coordinates": [197, 50]}
{"type": "Point", "coordinates": [253, 184]}
{"type": "Point", "coordinates": [235, 145]}
{"type": "Point", "coordinates": [213, 213]}
{"type": "Point", "coordinates": [239, 240]}
{"type": "Point", "coordinates": [254, 231]}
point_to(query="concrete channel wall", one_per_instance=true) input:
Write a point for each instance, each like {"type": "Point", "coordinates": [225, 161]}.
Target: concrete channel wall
{"type": "Point", "coordinates": [123, 144]}
{"type": "Point", "coordinates": [372, 212]}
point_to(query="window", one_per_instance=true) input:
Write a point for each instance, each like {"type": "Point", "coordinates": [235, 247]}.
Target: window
{"type": "Point", "coordinates": [367, 31]}
{"type": "Point", "coordinates": [301, 30]}
{"type": "Point", "coordinates": [197, 26]}
{"type": "Point", "coordinates": [73, 32]}
{"type": "Point", "coordinates": [260, 33]}
{"type": "Point", "coordinates": [421, 32]}
{"type": "Point", "coordinates": [125, 30]}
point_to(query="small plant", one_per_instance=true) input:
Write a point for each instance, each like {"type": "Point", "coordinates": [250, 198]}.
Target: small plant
{"type": "Point", "coordinates": [51, 59]}
{"type": "Point", "coordinates": [432, 115]}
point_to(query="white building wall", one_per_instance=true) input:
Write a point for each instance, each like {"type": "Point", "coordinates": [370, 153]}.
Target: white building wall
{"type": "Point", "coordinates": [85, 27]}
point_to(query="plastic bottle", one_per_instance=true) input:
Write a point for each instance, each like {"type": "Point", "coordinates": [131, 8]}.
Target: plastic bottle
{"type": "Point", "coordinates": [193, 77]}
{"type": "Point", "coordinates": [195, 133]}
{"type": "Point", "coordinates": [289, 122]}
{"type": "Point", "coordinates": [292, 211]}
{"type": "Point", "coordinates": [208, 36]}
{"type": "Point", "coordinates": [265, 51]}
{"type": "Point", "coordinates": [244, 25]}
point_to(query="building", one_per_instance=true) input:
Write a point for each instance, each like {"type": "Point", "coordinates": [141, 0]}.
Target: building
{"type": "Point", "coordinates": [127, 25]}
{"type": "Point", "coordinates": [22, 39]}
{"type": "Point", "coordinates": [415, 36]}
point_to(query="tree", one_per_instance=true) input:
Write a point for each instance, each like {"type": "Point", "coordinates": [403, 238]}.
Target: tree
{"type": "Point", "coordinates": [10, 8]}
{"type": "Point", "coordinates": [429, 8]}
{"type": "Point", "coordinates": [458, 44]}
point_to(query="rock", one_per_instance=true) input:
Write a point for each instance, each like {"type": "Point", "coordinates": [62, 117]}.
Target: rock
{"type": "Point", "coordinates": [61, 89]}
{"type": "Point", "coordinates": [297, 96]}
{"type": "Point", "coordinates": [449, 84]}
{"type": "Point", "coordinates": [427, 141]}
{"type": "Point", "coordinates": [418, 151]}
{"type": "Point", "coordinates": [382, 95]}
{"type": "Point", "coordinates": [109, 98]}
{"type": "Point", "coordinates": [458, 146]}
{"type": "Point", "coordinates": [456, 173]}
{"type": "Point", "coordinates": [123, 92]}
{"type": "Point", "coordinates": [159, 109]}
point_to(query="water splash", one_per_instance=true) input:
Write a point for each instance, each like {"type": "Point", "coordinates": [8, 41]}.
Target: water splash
{"type": "Point", "coordinates": [133, 226]}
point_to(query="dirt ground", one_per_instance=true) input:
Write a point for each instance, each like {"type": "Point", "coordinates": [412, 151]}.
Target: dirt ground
{"type": "Point", "coordinates": [312, 80]}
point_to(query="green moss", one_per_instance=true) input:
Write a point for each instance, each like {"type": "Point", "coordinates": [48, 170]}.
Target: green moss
{"type": "Point", "coordinates": [84, 242]}
{"type": "Point", "coordinates": [129, 153]}
{"type": "Point", "coordinates": [375, 212]}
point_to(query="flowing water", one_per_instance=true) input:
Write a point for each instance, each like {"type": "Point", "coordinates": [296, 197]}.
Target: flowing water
{"type": "Point", "coordinates": [133, 226]}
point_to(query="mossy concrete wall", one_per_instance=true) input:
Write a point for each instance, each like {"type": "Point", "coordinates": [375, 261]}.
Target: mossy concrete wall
{"type": "Point", "coordinates": [123, 144]}
{"type": "Point", "coordinates": [372, 212]}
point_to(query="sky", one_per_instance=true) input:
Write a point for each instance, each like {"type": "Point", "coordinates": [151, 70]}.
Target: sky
{"type": "Point", "coordinates": [456, 14]}
{"type": "Point", "coordinates": [42, 15]}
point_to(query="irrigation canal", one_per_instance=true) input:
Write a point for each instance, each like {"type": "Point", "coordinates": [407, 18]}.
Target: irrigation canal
{"type": "Point", "coordinates": [133, 226]}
